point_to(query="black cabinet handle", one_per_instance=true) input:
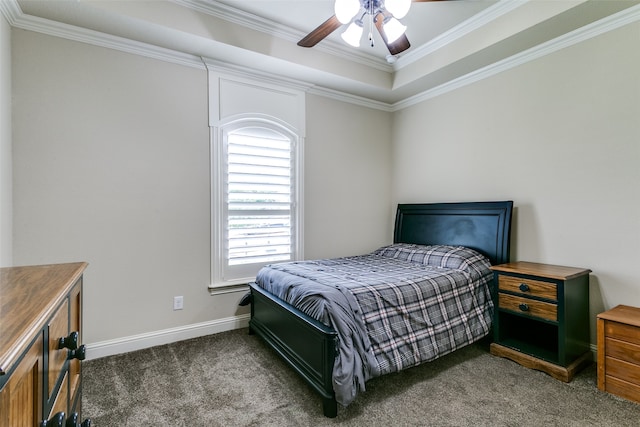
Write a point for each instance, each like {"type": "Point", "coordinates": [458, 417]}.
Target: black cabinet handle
{"type": "Point", "coordinates": [56, 421]}
{"type": "Point", "coordinates": [70, 342]}
{"type": "Point", "coordinates": [524, 287]}
{"type": "Point", "coordinates": [80, 353]}
{"type": "Point", "coordinates": [73, 421]}
{"type": "Point", "coordinates": [523, 307]}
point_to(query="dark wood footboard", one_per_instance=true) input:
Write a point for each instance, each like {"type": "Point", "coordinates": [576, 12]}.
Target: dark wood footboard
{"type": "Point", "coordinates": [306, 344]}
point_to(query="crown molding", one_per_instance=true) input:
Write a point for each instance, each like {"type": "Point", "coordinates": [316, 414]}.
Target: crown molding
{"type": "Point", "coordinates": [477, 21]}
{"type": "Point", "coordinates": [352, 99]}
{"type": "Point", "coordinates": [10, 10]}
{"type": "Point", "coordinates": [265, 77]}
{"type": "Point", "coordinates": [96, 38]}
{"type": "Point", "coordinates": [267, 26]}
{"type": "Point", "coordinates": [579, 35]}
{"type": "Point", "coordinates": [16, 18]}
{"type": "Point", "coordinates": [268, 78]}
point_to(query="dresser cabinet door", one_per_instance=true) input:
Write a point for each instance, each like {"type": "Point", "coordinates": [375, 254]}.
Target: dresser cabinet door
{"type": "Point", "coordinates": [75, 299]}
{"type": "Point", "coordinates": [58, 328]}
{"type": "Point", "coordinates": [21, 397]}
{"type": "Point", "coordinates": [65, 354]}
{"type": "Point", "coordinates": [61, 402]}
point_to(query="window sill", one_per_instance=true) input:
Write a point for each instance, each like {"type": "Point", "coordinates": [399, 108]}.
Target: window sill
{"type": "Point", "coordinates": [226, 288]}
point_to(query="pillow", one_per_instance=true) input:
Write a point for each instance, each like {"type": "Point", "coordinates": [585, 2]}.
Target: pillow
{"type": "Point", "coordinates": [443, 256]}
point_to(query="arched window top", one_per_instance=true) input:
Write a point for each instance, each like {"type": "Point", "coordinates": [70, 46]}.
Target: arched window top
{"type": "Point", "coordinates": [257, 219]}
{"type": "Point", "coordinates": [259, 125]}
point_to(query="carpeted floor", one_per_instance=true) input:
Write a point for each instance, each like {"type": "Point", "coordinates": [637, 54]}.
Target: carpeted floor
{"type": "Point", "coordinates": [233, 379]}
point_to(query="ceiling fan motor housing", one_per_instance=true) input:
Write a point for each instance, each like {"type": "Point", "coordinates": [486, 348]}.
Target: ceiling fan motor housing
{"type": "Point", "coordinates": [372, 6]}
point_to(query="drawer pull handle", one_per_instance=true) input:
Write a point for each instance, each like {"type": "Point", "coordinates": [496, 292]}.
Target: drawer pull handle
{"type": "Point", "coordinates": [80, 353]}
{"type": "Point", "coordinates": [56, 421]}
{"type": "Point", "coordinates": [73, 421]}
{"type": "Point", "coordinates": [524, 287]}
{"type": "Point", "coordinates": [523, 307]}
{"type": "Point", "coordinates": [70, 342]}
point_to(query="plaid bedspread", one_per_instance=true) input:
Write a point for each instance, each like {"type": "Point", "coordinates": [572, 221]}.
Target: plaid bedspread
{"type": "Point", "coordinates": [394, 308]}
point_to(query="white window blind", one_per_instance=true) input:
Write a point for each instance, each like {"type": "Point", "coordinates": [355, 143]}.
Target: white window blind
{"type": "Point", "coordinates": [259, 197]}
{"type": "Point", "coordinates": [255, 210]}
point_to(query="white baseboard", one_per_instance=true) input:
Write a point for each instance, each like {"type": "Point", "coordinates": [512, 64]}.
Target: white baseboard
{"type": "Point", "coordinates": [594, 351]}
{"type": "Point", "coordinates": [166, 336]}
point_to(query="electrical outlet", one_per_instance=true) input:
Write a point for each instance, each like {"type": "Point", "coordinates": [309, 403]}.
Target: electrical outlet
{"type": "Point", "coordinates": [178, 303]}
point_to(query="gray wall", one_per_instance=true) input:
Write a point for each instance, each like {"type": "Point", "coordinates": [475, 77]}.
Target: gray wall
{"type": "Point", "coordinates": [347, 179]}
{"type": "Point", "coordinates": [6, 180]}
{"type": "Point", "coordinates": [561, 137]}
{"type": "Point", "coordinates": [111, 159]}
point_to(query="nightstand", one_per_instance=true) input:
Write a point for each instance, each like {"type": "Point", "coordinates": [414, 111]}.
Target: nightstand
{"type": "Point", "coordinates": [619, 352]}
{"type": "Point", "coordinates": [541, 317]}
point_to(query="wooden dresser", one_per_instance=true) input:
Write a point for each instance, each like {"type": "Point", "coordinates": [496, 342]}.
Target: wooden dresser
{"type": "Point", "coordinates": [619, 352]}
{"type": "Point", "coordinates": [541, 317]}
{"type": "Point", "coordinates": [40, 351]}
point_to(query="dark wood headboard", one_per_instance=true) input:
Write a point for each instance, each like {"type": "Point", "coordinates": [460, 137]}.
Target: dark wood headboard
{"type": "Point", "coordinates": [483, 226]}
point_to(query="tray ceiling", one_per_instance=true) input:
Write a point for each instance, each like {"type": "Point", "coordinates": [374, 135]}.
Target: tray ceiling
{"type": "Point", "coordinates": [449, 39]}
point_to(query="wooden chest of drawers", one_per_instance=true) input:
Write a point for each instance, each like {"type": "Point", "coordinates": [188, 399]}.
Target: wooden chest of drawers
{"type": "Point", "coordinates": [541, 317]}
{"type": "Point", "coordinates": [40, 351]}
{"type": "Point", "coordinates": [619, 352]}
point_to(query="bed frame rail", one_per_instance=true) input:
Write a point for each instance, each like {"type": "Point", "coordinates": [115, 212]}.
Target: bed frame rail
{"type": "Point", "coordinates": [306, 344]}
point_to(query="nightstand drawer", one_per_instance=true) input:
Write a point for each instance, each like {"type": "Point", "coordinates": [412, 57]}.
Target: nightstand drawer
{"type": "Point", "coordinates": [623, 388]}
{"type": "Point", "coordinates": [622, 370]}
{"type": "Point", "coordinates": [622, 350]}
{"type": "Point", "coordinates": [529, 307]}
{"type": "Point", "coordinates": [530, 287]}
{"type": "Point", "coordinates": [622, 332]}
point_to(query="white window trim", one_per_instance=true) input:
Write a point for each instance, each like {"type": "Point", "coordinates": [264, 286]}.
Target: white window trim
{"type": "Point", "coordinates": [217, 134]}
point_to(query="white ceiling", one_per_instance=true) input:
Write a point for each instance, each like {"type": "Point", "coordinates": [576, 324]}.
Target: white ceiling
{"type": "Point", "coordinates": [424, 22]}
{"type": "Point", "coordinates": [449, 39]}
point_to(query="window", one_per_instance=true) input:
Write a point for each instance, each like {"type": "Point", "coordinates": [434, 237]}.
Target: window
{"type": "Point", "coordinates": [256, 211]}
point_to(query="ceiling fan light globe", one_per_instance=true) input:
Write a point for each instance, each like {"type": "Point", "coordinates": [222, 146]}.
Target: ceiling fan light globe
{"type": "Point", "coordinates": [398, 8]}
{"type": "Point", "coordinates": [393, 29]}
{"type": "Point", "coordinates": [353, 34]}
{"type": "Point", "coordinates": [346, 10]}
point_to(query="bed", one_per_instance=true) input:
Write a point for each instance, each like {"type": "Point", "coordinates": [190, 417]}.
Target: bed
{"type": "Point", "coordinates": [328, 351]}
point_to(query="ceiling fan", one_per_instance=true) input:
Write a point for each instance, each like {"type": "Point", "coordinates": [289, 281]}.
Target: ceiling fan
{"type": "Point", "coordinates": [383, 14]}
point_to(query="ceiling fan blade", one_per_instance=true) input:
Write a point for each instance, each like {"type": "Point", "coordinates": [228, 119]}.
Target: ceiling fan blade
{"type": "Point", "coordinates": [397, 46]}
{"type": "Point", "coordinates": [323, 30]}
